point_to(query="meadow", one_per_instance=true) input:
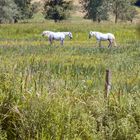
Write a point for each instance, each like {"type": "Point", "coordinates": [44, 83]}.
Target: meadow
{"type": "Point", "coordinates": [57, 92]}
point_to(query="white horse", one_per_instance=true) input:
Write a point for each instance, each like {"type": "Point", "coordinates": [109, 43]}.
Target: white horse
{"type": "Point", "coordinates": [103, 37]}
{"type": "Point", "coordinates": [57, 36]}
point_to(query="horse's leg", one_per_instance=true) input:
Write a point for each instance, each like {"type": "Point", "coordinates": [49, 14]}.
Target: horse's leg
{"type": "Point", "coordinates": [99, 43]}
{"type": "Point", "coordinates": [62, 42]}
{"type": "Point", "coordinates": [110, 43]}
{"type": "Point", "coordinates": [50, 40]}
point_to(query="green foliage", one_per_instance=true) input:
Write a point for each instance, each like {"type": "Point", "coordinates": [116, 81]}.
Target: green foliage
{"type": "Point", "coordinates": [129, 14]}
{"type": "Point", "coordinates": [2, 134]}
{"type": "Point", "coordinates": [36, 7]}
{"type": "Point", "coordinates": [8, 11]}
{"type": "Point", "coordinates": [25, 8]}
{"type": "Point", "coordinates": [14, 10]}
{"type": "Point", "coordinates": [57, 9]}
{"type": "Point", "coordinates": [95, 10]}
{"type": "Point", "coordinates": [123, 9]}
{"type": "Point", "coordinates": [100, 10]}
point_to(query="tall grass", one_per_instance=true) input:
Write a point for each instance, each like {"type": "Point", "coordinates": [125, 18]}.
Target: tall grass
{"type": "Point", "coordinates": [54, 92]}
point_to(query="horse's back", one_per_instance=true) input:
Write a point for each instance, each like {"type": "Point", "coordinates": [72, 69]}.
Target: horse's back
{"type": "Point", "coordinates": [57, 35]}
{"type": "Point", "coordinates": [111, 36]}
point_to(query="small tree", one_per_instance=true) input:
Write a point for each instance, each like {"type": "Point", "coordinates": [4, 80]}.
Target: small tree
{"type": "Point", "coordinates": [129, 14]}
{"type": "Point", "coordinates": [8, 11]}
{"type": "Point", "coordinates": [57, 9]}
{"type": "Point", "coordinates": [96, 10]}
{"type": "Point", "coordinates": [122, 9]}
{"type": "Point", "coordinates": [36, 7]}
{"type": "Point", "coordinates": [25, 8]}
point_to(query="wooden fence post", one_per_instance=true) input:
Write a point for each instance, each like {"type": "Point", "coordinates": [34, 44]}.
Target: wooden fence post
{"type": "Point", "coordinates": [107, 83]}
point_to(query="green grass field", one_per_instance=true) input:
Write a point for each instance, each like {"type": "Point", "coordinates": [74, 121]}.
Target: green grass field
{"type": "Point", "coordinates": [57, 93]}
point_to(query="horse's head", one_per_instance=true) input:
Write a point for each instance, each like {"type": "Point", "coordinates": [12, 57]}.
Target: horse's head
{"type": "Point", "coordinates": [70, 35]}
{"type": "Point", "coordinates": [45, 33]}
{"type": "Point", "coordinates": [91, 34]}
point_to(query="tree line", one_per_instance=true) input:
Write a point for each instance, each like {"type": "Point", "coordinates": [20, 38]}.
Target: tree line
{"type": "Point", "coordinates": [12, 11]}
{"type": "Point", "coordinates": [98, 10]}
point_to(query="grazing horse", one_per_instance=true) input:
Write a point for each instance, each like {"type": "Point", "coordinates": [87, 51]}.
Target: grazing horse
{"type": "Point", "coordinates": [103, 37]}
{"type": "Point", "coordinates": [57, 36]}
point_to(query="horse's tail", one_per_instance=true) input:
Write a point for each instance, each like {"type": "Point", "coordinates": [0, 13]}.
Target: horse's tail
{"type": "Point", "coordinates": [115, 44]}
{"type": "Point", "coordinates": [114, 40]}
